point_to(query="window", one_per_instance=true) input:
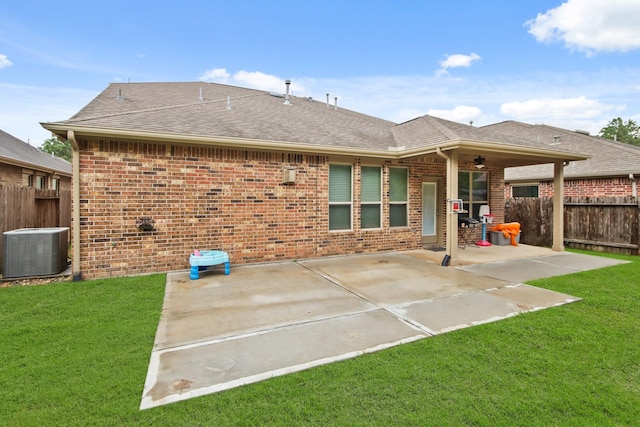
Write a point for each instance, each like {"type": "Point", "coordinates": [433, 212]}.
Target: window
{"type": "Point", "coordinates": [398, 197]}
{"type": "Point", "coordinates": [524, 191]}
{"type": "Point", "coordinates": [40, 182]}
{"type": "Point", "coordinates": [370, 197]}
{"type": "Point", "coordinates": [55, 183]}
{"type": "Point", "coordinates": [340, 197]}
{"type": "Point", "coordinates": [473, 189]}
{"type": "Point", "coordinates": [27, 179]}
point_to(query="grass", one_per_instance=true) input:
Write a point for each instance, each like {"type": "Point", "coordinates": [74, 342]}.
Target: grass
{"type": "Point", "coordinates": [77, 354]}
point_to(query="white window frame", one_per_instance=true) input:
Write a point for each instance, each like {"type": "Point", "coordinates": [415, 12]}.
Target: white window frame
{"type": "Point", "coordinates": [27, 178]}
{"type": "Point", "coordinates": [376, 203]}
{"type": "Point", "coordinates": [341, 203]}
{"type": "Point", "coordinates": [528, 184]}
{"type": "Point", "coordinates": [41, 182]}
{"type": "Point", "coordinates": [469, 204]}
{"type": "Point", "coordinates": [398, 202]}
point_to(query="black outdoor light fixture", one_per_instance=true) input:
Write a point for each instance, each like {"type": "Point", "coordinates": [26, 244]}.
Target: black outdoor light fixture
{"type": "Point", "coordinates": [479, 162]}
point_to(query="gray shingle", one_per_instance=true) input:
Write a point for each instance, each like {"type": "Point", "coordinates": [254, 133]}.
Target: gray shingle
{"type": "Point", "coordinates": [176, 108]}
{"type": "Point", "coordinates": [13, 149]}
{"type": "Point", "coordinates": [609, 158]}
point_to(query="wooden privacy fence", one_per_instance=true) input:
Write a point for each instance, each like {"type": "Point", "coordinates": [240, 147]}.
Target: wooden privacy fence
{"type": "Point", "coordinates": [22, 207]}
{"type": "Point", "coordinates": [605, 224]}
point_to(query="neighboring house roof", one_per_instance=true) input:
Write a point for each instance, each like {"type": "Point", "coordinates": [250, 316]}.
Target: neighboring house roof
{"type": "Point", "coordinates": [16, 152]}
{"type": "Point", "coordinates": [198, 112]}
{"type": "Point", "coordinates": [608, 158]}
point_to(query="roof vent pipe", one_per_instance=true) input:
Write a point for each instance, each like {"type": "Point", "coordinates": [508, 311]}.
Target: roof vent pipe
{"type": "Point", "coordinates": [120, 97]}
{"type": "Point", "coordinates": [228, 102]}
{"type": "Point", "coordinates": [327, 101]}
{"type": "Point", "coordinates": [336, 103]}
{"type": "Point", "coordinates": [286, 96]}
{"type": "Point", "coordinates": [200, 96]}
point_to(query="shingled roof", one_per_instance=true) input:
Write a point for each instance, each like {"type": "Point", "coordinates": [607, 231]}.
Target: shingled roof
{"type": "Point", "coordinates": [16, 152]}
{"type": "Point", "coordinates": [431, 131]}
{"type": "Point", "coordinates": [212, 113]}
{"type": "Point", "coordinates": [608, 158]}
{"type": "Point", "coordinates": [200, 109]}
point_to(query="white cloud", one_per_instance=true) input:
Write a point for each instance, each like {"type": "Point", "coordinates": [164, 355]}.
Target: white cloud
{"type": "Point", "coordinates": [457, 60]}
{"type": "Point", "coordinates": [590, 25]}
{"type": "Point", "coordinates": [259, 80]}
{"type": "Point", "coordinates": [461, 114]}
{"type": "Point", "coordinates": [216, 75]}
{"type": "Point", "coordinates": [252, 79]}
{"type": "Point", "coordinates": [485, 100]}
{"type": "Point", "coordinates": [4, 62]}
{"type": "Point", "coordinates": [577, 108]}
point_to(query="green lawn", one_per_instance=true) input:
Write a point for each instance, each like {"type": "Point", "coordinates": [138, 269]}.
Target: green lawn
{"type": "Point", "coordinates": [77, 354]}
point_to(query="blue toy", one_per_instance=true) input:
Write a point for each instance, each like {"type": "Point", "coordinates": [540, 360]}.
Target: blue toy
{"type": "Point", "coordinates": [206, 259]}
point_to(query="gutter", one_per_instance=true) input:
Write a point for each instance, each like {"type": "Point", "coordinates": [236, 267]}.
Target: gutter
{"type": "Point", "coordinates": [395, 153]}
{"type": "Point", "coordinates": [441, 154]}
{"type": "Point", "coordinates": [232, 142]}
{"type": "Point", "coordinates": [75, 197]}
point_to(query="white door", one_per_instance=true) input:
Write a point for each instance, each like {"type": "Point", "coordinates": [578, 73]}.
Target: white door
{"type": "Point", "coordinates": [429, 212]}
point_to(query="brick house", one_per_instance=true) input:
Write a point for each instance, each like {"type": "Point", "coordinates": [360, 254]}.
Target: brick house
{"type": "Point", "coordinates": [269, 177]}
{"type": "Point", "coordinates": [22, 164]}
{"type": "Point", "coordinates": [611, 170]}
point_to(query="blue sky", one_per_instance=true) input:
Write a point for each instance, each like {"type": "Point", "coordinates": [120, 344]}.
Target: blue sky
{"type": "Point", "coordinates": [573, 64]}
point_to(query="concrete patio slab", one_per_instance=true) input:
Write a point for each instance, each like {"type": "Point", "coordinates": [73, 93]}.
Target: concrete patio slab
{"type": "Point", "coordinates": [252, 298]}
{"type": "Point", "coordinates": [396, 278]}
{"type": "Point", "coordinates": [261, 321]}
{"type": "Point", "coordinates": [580, 262]}
{"type": "Point", "coordinates": [219, 365]}
{"type": "Point", "coordinates": [465, 310]}
{"type": "Point", "coordinates": [522, 270]}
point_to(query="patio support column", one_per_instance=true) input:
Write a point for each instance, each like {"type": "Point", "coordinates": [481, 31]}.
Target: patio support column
{"type": "Point", "coordinates": [558, 206]}
{"type": "Point", "coordinates": [452, 218]}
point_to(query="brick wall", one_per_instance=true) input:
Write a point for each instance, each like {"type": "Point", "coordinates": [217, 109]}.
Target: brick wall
{"type": "Point", "coordinates": [590, 187]}
{"type": "Point", "coordinates": [228, 199]}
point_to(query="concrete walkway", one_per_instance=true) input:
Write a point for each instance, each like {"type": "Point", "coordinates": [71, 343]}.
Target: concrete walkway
{"type": "Point", "coordinates": [262, 321]}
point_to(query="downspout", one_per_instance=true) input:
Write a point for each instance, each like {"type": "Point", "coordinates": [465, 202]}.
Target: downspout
{"type": "Point", "coordinates": [75, 215]}
{"type": "Point", "coordinates": [452, 222]}
{"type": "Point", "coordinates": [634, 185]}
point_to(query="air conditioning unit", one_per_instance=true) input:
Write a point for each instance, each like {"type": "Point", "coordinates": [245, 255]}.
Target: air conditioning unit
{"type": "Point", "coordinates": [35, 251]}
{"type": "Point", "coordinates": [288, 175]}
